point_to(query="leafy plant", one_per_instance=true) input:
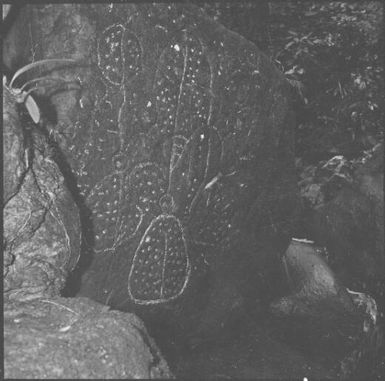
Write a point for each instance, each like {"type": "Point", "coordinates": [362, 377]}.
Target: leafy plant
{"type": "Point", "coordinates": [334, 50]}
{"type": "Point", "coordinates": [23, 94]}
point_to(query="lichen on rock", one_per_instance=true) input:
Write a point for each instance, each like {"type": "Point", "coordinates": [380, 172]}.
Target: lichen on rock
{"type": "Point", "coordinates": [41, 220]}
{"type": "Point", "coordinates": [76, 338]}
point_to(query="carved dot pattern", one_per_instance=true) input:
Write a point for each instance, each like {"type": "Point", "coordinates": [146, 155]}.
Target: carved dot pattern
{"type": "Point", "coordinates": [145, 187]}
{"type": "Point", "coordinates": [104, 206]}
{"type": "Point", "coordinates": [116, 215]}
{"type": "Point", "coordinates": [110, 58]}
{"type": "Point", "coordinates": [161, 266]}
{"type": "Point", "coordinates": [106, 112]}
{"type": "Point", "coordinates": [131, 54]}
{"type": "Point", "coordinates": [167, 77]}
{"type": "Point", "coordinates": [188, 171]}
{"type": "Point", "coordinates": [177, 187]}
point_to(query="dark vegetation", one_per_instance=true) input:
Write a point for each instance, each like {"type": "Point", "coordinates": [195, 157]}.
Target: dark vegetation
{"type": "Point", "coordinates": [333, 49]}
{"type": "Point", "coordinates": [332, 53]}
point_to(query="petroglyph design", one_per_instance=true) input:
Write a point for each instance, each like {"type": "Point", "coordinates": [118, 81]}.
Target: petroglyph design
{"type": "Point", "coordinates": [114, 219]}
{"type": "Point", "coordinates": [132, 55]}
{"type": "Point", "coordinates": [172, 137]}
{"type": "Point", "coordinates": [145, 186]}
{"type": "Point", "coordinates": [118, 54]}
{"type": "Point", "coordinates": [161, 266]}
{"type": "Point", "coordinates": [183, 105]}
{"type": "Point", "coordinates": [192, 169]}
{"type": "Point", "coordinates": [179, 206]}
{"type": "Point", "coordinates": [110, 55]}
{"type": "Point", "coordinates": [106, 113]}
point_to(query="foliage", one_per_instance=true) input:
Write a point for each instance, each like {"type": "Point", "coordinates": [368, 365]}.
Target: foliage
{"type": "Point", "coordinates": [331, 53]}
{"type": "Point", "coordinates": [22, 95]}
{"type": "Point", "coordinates": [334, 50]}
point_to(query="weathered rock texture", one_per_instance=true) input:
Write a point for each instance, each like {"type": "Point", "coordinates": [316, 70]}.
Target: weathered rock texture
{"type": "Point", "coordinates": [74, 338]}
{"type": "Point", "coordinates": [315, 292]}
{"type": "Point", "coordinates": [346, 214]}
{"type": "Point", "coordinates": [320, 313]}
{"type": "Point", "coordinates": [180, 139]}
{"type": "Point", "coordinates": [41, 221]}
{"type": "Point", "coordinates": [44, 336]}
{"type": "Point", "coordinates": [370, 180]}
{"type": "Point", "coordinates": [249, 19]}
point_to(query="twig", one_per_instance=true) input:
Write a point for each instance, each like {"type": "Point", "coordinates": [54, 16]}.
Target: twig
{"type": "Point", "coordinates": [60, 305]}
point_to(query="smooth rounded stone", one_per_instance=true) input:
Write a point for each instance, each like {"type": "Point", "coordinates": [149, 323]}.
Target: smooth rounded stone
{"type": "Point", "coordinates": [319, 313]}
{"type": "Point", "coordinates": [6, 8]}
{"type": "Point", "coordinates": [76, 338]}
{"type": "Point", "coordinates": [315, 291]}
{"type": "Point", "coordinates": [41, 221]}
{"type": "Point", "coordinates": [181, 142]}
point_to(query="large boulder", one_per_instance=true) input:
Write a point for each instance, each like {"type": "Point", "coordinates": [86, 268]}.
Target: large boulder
{"type": "Point", "coordinates": [76, 338]}
{"type": "Point", "coordinates": [42, 232]}
{"type": "Point", "coordinates": [180, 138]}
{"type": "Point", "coordinates": [46, 336]}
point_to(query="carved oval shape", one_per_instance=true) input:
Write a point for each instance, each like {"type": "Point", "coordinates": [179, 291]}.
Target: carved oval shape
{"type": "Point", "coordinates": [146, 186]}
{"type": "Point", "coordinates": [110, 55]}
{"type": "Point", "coordinates": [161, 267]}
{"type": "Point", "coordinates": [132, 54]}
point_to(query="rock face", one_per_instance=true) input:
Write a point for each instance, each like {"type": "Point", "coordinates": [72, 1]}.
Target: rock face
{"type": "Point", "coordinates": [41, 220]}
{"type": "Point", "coordinates": [180, 139]}
{"type": "Point", "coordinates": [315, 291]}
{"type": "Point", "coordinates": [249, 19]}
{"type": "Point", "coordinates": [322, 316]}
{"type": "Point", "coordinates": [370, 180]}
{"type": "Point", "coordinates": [75, 338]}
{"type": "Point", "coordinates": [348, 219]}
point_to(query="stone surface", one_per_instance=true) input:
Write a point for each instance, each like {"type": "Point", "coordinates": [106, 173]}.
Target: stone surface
{"type": "Point", "coordinates": [370, 180]}
{"type": "Point", "coordinates": [315, 292]}
{"type": "Point", "coordinates": [252, 354]}
{"type": "Point", "coordinates": [319, 313]}
{"type": "Point", "coordinates": [348, 218]}
{"type": "Point", "coordinates": [180, 139]}
{"type": "Point", "coordinates": [6, 9]}
{"type": "Point", "coordinates": [41, 220]}
{"type": "Point", "coordinates": [74, 338]}
{"type": "Point", "coordinates": [249, 19]}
